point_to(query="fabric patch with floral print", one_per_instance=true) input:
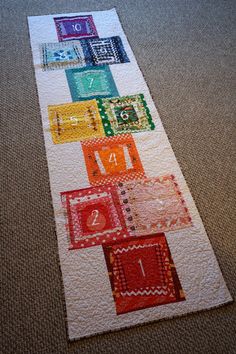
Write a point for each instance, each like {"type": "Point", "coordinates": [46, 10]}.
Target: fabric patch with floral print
{"type": "Point", "coordinates": [76, 27]}
{"type": "Point", "coordinates": [91, 82]}
{"type": "Point", "coordinates": [142, 273]}
{"type": "Point", "coordinates": [126, 114]}
{"type": "Point", "coordinates": [75, 121]}
{"type": "Point", "coordinates": [111, 160]}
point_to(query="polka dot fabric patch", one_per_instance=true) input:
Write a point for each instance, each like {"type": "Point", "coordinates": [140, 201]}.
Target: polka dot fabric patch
{"type": "Point", "coordinates": [112, 160]}
{"type": "Point", "coordinates": [127, 114]}
{"type": "Point", "coordinates": [91, 82]}
{"type": "Point", "coordinates": [94, 216]}
{"type": "Point", "coordinates": [75, 121]}
{"type": "Point", "coordinates": [154, 205]}
{"type": "Point", "coordinates": [142, 273]}
{"type": "Point", "coordinates": [77, 27]}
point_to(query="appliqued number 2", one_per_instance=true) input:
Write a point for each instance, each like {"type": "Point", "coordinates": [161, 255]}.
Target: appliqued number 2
{"type": "Point", "coordinates": [95, 215]}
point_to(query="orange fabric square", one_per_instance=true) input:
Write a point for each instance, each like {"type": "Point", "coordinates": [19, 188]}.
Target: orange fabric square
{"type": "Point", "coordinates": [111, 160]}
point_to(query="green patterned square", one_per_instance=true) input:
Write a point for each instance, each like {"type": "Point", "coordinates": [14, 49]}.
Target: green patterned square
{"type": "Point", "coordinates": [91, 82]}
{"type": "Point", "coordinates": [127, 114]}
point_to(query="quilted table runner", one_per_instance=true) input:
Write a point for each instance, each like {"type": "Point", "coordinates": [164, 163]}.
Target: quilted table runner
{"type": "Point", "coordinates": [132, 245]}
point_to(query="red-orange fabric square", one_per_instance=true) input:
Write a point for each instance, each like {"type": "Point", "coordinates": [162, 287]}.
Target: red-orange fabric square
{"type": "Point", "coordinates": [94, 216]}
{"type": "Point", "coordinates": [111, 160]}
{"type": "Point", "coordinates": [142, 273]}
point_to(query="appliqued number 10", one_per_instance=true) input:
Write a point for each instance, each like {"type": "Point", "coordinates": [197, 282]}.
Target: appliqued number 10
{"type": "Point", "coordinates": [76, 27]}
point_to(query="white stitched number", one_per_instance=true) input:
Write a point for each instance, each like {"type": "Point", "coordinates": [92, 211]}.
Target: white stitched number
{"type": "Point", "coordinates": [91, 80]}
{"type": "Point", "coordinates": [76, 27]}
{"type": "Point", "coordinates": [112, 158]}
{"type": "Point", "coordinates": [95, 214]}
{"type": "Point", "coordinates": [124, 115]}
{"type": "Point", "coordinates": [141, 266]}
{"type": "Point", "coordinates": [74, 120]}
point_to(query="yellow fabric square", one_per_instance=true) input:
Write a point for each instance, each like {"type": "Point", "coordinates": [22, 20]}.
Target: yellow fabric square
{"type": "Point", "coordinates": [75, 121]}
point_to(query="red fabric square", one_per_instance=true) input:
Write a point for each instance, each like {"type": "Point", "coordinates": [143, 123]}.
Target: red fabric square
{"type": "Point", "coordinates": [94, 216]}
{"type": "Point", "coordinates": [142, 273]}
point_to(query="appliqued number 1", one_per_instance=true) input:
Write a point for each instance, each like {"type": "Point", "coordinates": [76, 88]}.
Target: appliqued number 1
{"type": "Point", "coordinates": [141, 266]}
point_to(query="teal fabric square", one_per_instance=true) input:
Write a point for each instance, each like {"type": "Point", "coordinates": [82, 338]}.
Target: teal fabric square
{"type": "Point", "coordinates": [91, 82]}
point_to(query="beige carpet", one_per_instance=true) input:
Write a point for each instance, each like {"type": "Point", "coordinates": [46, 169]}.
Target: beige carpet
{"type": "Point", "coordinates": [185, 50]}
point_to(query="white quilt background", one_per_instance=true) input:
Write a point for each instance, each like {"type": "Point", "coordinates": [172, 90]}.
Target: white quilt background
{"type": "Point", "coordinates": [89, 301]}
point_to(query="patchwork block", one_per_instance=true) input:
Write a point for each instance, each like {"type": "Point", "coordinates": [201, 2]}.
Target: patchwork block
{"type": "Point", "coordinates": [127, 114]}
{"type": "Point", "coordinates": [75, 121]}
{"type": "Point", "coordinates": [91, 82]}
{"type": "Point", "coordinates": [153, 205]}
{"type": "Point", "coordinates": [76, 27]}
{"type": "Point", "coordinates": [111, 160]}
{"type": "Point", "coordinates": [107, 51]}
{"type": "Point", "coordinates": [83, 52]}
{"type": "Point", "coordinates": [94, 216]}
{"type": "Point", "coordinates": [64, 55]}
{"type": "Point", "coordinates": [142, 273]}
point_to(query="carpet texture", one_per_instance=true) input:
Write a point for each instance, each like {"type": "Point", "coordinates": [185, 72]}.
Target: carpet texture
{"type": "Point", "coordinates": [185, 50]}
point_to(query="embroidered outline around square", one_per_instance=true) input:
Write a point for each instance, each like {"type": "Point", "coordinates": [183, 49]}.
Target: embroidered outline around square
{"type": "Point", "coordinates": [142, 273]}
